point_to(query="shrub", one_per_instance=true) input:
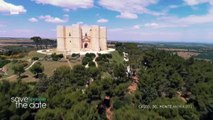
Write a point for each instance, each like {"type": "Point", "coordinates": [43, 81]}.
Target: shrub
{"type": "Point", "coordinates": [24, 63]}
{"type": "Point", "coordinates": [86, 60]}
{"type": "Point", "coordinates": [60, 56]}
{"type": "Point", "coordinates": [75, 55]}
{"type": "Point", "coordinates": [92, 64]}
{"type": "Point", "coordinates": [56, 57]}
{"type": "Point", "coordinates": [37, 69]}
{"type": "Point", "coordinates": [35, 58]}
{"type": "Point", "coordinates": [90, 55]}
{"type": "Point", "coordinates": [3, 62]}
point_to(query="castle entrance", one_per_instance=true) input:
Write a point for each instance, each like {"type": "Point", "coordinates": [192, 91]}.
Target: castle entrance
{"type": "Point", "coordinates": [85, 45]}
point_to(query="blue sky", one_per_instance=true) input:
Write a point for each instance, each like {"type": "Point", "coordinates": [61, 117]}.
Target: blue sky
{"type": "Point", "coordinates": [126, 20]}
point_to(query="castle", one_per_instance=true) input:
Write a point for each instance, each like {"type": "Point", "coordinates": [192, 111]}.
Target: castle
{"type": "Point", "coordinates": [77, 38]}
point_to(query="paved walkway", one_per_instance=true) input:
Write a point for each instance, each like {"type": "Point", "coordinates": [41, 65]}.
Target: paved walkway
{"type": "Point", "coordinates": [31, 65]}
{"type": "Point", "coordinates": [96, 56]}
{"type": "Point", "coordinates": [50, 51]}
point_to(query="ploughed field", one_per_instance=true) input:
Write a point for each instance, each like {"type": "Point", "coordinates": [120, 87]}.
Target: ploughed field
{"type": "Point", "coordinates": [201, 51]}
{"type": "Point", "coordinates": [16, 42]}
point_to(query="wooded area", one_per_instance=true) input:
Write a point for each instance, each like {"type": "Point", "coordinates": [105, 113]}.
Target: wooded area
{"type": "Point", "coordinates": [78, 93]}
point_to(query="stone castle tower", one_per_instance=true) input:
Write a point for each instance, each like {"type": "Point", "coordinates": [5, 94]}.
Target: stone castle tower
{"type": "Point", "coordinates": [77, 39]}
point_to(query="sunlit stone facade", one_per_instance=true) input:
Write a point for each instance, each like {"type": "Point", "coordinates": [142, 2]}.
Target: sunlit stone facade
{"type": "Point", "coordinates": [77, 38]}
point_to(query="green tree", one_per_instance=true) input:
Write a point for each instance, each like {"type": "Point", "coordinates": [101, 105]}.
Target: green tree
{"type": "Point", "coordinates": [49, 114]}
{"type": "Point", "coordinates": [37, 40]}
{"type": "Point", "coordinates": [175, 112]}
{"type": "Point", "coordinates": [37, 69]}
{"type": "Point", "coordinates": [46, 42]}
{"type": "Point", "coordinates": [18, 69]}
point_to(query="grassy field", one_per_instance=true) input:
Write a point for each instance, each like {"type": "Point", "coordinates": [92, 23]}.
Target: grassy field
{"type": "Point", "coordinates": [27, 79]}
{"type": "Point", "coordinates": [105, 75]}
{"type": "Point", "coordinates": [12, 77]}
{"type": "Point", "coordinates": [32, 54]}
{"type": "Point", "coordinates": [9, 69]}
{"type": "Point", "coordinates": [117, 57]}
{"type": "Point", "coordinates": [50, 66]}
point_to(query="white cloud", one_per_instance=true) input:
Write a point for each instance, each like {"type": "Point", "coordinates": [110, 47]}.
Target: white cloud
{"type": "Point", "coordinates": [66, 15]}
{"type": "Point", "coordinates": [66, 10]}
{"type": "Point", "coordinates": [102, 20]}
{"type": "Point", "coordinates": [196, 2]}
{"type": "Point", "coordinates": [117, 29]}
{"type": "Point", "coordinates": [80, 23]}
{"type": "Point", "coordinates": [68, 4]}
{"type": "Point", "coordinates": [2, 31]}
{"type": "Point", "coordinates": [129, 8]}
{"type": "Point", "coordinates": [136, 27]}
{"type": "Point", "coordinates": [33, 19]}
{"type": "Point", "coordinates": [193, 19]}
{"type": "Point", "coordinates": [152, 25]}
{"type": "Point", "coordinates": [198, 19]}
{"type": "Point", "coordinates": [11, 8]}
{"type": "Point", "coordinates": [54, 30]}
{"type": "Point", "coordinates": [127, 15]}
{"type": "Point", "coordinates": [1, 25]}
{"type": "Point", "coordinates": [167, 35]}
{"type": "Point", "coordinates": [50, 19]}
{"type": "Point", "coordinates": [173, 21]}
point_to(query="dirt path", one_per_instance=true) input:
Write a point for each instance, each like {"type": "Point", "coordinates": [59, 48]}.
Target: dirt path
{"type": "Point", "coordinates": [96, 56]}
{"type": "Point", "coordinates": [133, 86]}
{"type": "Point", "coordinates": [12, 76]}
{"type": "Point", "coordinates": [108, 110]}
{"type": "Point", "coordinates": [109, 113]}
{"type": "Point", "coordinates": [69, 63]}
{"type": "Point", "coordinates": [179, 94]}
{"type": "Point", "coordinates": [31, 65]}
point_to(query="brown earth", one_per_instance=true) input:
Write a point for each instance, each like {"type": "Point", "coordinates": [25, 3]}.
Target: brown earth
{"type": "Point", "coordinates": [108, 110]}
{"type": "Point", "coordinates": [133, 86]}
{"type": "Point", "coordinates": [14, 42]}
{"type": "Point", "coordinates": [187, 55]}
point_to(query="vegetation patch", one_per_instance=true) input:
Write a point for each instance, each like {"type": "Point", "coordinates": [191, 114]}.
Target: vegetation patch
{"type": "Point", "coordinates": [87, 59]}
{"type": "Point", "coordinates": [164, 80]}
{"type": "Point", "coordinates": [56, 57]}
{"type": "Point", "coordinates": [3, 62]}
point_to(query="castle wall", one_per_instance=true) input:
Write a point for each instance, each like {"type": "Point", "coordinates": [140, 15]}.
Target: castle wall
{"type": "Point", "coordinates": [70, 38]}
{"type": "Point", "coordinates": [76, 38]}
{"type": "Point", "coordinates": [61, 44]}
{"type": "Point", "coordinates": [95, 36]}
{"type": "Point", "coordinates": [103, 38]}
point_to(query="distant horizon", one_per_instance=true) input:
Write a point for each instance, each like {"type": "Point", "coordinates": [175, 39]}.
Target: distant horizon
{"type": "Point", "coordinates": [126, 41]}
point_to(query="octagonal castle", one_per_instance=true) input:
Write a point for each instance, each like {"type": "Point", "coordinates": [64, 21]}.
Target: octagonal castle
{"type": "Point", "coordinates": [77, 38]}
